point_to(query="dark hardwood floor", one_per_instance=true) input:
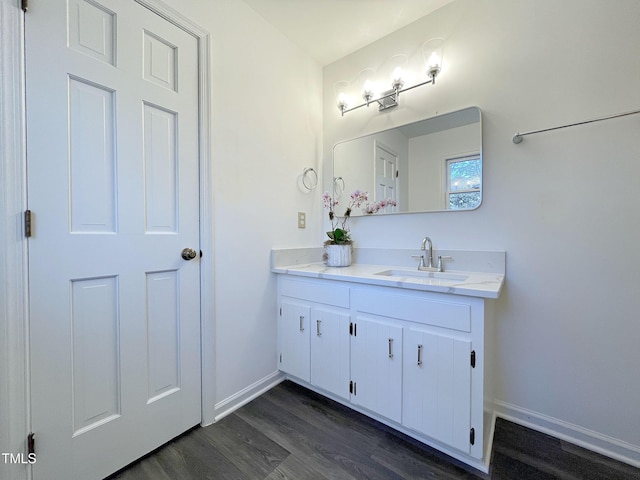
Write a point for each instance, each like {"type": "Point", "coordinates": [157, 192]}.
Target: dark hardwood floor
{"type": "Point", "coordinates": [292, 433]}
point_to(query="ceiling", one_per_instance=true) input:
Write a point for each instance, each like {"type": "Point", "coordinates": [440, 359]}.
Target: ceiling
{"type": "Point", "coordinates": [330, 29]}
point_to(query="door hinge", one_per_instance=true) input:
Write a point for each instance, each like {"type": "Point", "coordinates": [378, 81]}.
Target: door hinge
{"type": "Point", "coordinates": [27, 223]}
{"type": "Point", "coordinates": [24, 4]}
{"type": "Point", "coordinates": [472, 436]}
{"type": "Point", "coordinates": [473, 359]}
{"type": "Point", "coordinates": [31, 444]}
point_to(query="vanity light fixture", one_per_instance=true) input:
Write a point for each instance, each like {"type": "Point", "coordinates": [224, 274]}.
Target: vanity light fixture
{"type": "Point", "coordinates": [432, 51]}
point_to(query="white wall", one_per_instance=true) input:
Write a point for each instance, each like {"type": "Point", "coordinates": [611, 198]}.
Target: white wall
{"type": "Point", "coordinates": [562, 204]}
{"type": "Point", "coordinates": [266, 128]}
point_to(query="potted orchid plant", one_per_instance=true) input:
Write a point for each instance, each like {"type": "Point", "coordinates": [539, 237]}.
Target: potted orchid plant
{"type": "Point", "coordinates": [338, 249]}
{"type": "Point", "coordinates": [339, 234]}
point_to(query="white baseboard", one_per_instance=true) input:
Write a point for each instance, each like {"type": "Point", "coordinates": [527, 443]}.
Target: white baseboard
{"type": "Point", "coordinates": [608, 446]}
{"type": "Point", "coordinates": [244, 396]}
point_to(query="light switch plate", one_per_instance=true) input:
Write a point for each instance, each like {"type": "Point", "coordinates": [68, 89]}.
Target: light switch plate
{"type": "Point", "coordinates": [302, 220]}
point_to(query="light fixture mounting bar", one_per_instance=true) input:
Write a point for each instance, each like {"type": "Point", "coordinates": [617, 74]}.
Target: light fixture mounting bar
{"type": "Point", "coordinates": [389, 99]}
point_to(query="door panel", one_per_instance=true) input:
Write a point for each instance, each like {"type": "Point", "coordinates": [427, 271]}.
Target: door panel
{"type": "Point", "coordinates": [375, 367]}
{"type": "Point", "coordinates": [96, 364]}
{"type": "Point", "coordinates": [330, 350]}
{"type": "Point", "coordinates": [92, 158]}
{"type": "Point", "coordinates": [163, 338]}
{"type": "Point", "coordinates": [160, 165]}
{"type": "Point", "coordinates": [112, 166]}
{"type": "Point", "coordinates": [293, 339]}
{"type": "Point", "coordinates": [437, 387]}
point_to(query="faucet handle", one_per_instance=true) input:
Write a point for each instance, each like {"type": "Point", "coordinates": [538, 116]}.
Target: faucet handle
{"type": "Point", "coordinates": [421, 257]}
{"type": "Point", "coordinates": [443, 257]}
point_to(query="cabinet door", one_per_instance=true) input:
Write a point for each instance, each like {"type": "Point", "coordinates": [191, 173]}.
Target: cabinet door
{"type": "Point", "coordinates": [376, 366]}
{"type": "Point", "coordinates": [293, 339]}
{"type": "Point", "coordinates": [330, 350]}
{"type": "Point", "coordinates": [437, 387]}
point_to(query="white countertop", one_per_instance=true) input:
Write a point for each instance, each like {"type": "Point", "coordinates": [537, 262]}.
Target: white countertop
{"type": "Point", "coordinates": [477, 284]}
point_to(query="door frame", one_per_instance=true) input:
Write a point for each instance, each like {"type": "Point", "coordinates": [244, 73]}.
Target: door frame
{"type": "Point", "coordinates": [14, 299]}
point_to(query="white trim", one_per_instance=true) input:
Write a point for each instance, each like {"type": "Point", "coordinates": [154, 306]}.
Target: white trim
{"type": "Point", "coordinates": [14, 414]}
{"type": "Point", "coordinates": [244, 396]}
{"type": "Point", "coordinates": [608, 446]}
{"type": "Point", "coordinates": [207, 310]}
{"type": "Point", "coordinates": [489, 417]}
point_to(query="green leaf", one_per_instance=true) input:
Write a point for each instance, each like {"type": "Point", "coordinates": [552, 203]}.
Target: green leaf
{"type": "Point", "coordinates": [340, 235]}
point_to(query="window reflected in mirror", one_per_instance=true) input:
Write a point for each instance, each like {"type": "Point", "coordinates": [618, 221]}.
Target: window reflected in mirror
{"type": "Point", "coordinates": [463, 182]}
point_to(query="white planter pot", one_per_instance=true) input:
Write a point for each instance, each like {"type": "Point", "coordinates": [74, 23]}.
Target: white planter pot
{"type": "Point", "coordinates": [337, 255]}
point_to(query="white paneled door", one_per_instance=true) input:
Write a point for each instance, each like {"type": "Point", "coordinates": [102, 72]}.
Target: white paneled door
{"type": "Point", "coordinates": [386, 173]}
{"type": "Point", "coordinates": [112, 165]}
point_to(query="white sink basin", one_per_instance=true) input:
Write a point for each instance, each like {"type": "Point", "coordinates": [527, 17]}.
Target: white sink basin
{"type": "Point", "coordinates": [453, 277]}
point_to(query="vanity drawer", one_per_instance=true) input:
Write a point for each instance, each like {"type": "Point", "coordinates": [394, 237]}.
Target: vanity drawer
{"type": "Point", "coordinates": [319, 292]}
{"type": "Point", "coordinates": [414, 308]}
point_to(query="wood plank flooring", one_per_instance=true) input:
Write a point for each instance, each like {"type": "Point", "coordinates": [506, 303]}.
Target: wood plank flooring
{"type": "Point", "coordinates": [292, 433]}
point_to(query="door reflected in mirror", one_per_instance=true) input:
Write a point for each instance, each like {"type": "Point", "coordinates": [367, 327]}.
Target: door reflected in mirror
{"type": "Point", "coordinates": [426, 166]}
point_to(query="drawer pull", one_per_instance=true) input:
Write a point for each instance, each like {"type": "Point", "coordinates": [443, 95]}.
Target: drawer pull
{"type": "Point", "coordinates": [419, 355]}
{"type": "Point", "coordinates": [302, 323]}
{"type": "Point", "coordinates": [318, 332]}
{"type": "Point", "coordinates": [391, 348]}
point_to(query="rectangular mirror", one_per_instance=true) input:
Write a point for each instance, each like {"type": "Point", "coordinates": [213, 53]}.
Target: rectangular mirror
{"type": "Point", "coordinates": [426, 166]}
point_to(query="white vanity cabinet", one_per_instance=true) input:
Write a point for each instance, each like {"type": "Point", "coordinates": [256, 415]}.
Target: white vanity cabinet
{"type": "Point", "coordinates": [313, 333]}
{"type": "Point", "coordinates": [412, 359]}
{"type": "Point", "coordinates": [442, 350]}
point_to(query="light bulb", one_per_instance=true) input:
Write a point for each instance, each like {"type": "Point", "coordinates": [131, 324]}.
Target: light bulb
{"type": "Point", "coordinates": [397, 81]}
{"type": "Point", "coordinates": [367, 90]}
{"type": "Point", "coordinates": [434, 61]}
{"type": "Point", "coordinates": [342, 101]}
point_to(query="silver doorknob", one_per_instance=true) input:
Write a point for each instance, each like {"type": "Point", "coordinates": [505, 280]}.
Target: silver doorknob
{"type": "Point", "coordinates": [189, 254]}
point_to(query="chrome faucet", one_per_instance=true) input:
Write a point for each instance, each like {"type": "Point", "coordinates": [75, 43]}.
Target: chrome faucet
{"type": "Point", "coordinates": [430, 267]}
{"type": "Point", "coordinates": [425, 241]}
